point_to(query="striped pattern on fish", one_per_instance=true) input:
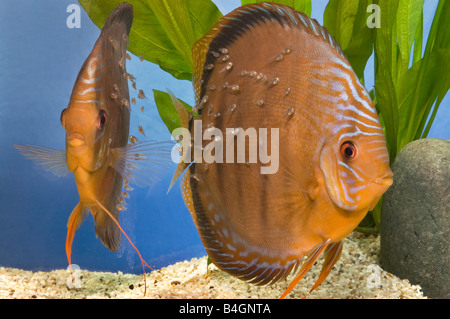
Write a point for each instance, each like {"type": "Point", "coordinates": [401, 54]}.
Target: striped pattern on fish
{"type": "Point", "coordinates": [97, 122]}
{"type": "Point", "coordinates": [268, 66]}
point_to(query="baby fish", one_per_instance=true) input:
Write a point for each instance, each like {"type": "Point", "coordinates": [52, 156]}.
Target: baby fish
{"type": "Point", "coordinates": [133, 139]}
{"type": "Point", "coordinates": [97, 128]}
{"type": "Point", "coordinates": [141, 94]}
{"type": "Point", "coordinates": [333, 160]}
{"type": "Point", "coordinates": [141, 130]}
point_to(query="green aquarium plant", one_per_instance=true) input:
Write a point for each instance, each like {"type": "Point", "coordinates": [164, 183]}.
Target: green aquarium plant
{"type": "Point", "coordinates": [410, 78]}
{"type": "Point", "coordinates": [410, 83]}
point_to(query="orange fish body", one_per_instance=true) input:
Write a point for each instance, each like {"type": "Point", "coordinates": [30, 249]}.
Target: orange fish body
{"type": "Point", "coordinates": [97, 122]}
{"type": "Point", "coordinates": [269, 66]}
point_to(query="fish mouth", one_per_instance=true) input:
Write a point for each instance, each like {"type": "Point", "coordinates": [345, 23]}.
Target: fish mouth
{"type": "Point", "coordinates": [75, 139]}
{"type": "Point", "coordinates": [386, 180]}
{"type": "Point", "coordinates": [384, 183]}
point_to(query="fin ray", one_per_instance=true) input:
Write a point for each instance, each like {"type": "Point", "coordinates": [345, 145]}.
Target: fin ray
{"type": "Point", "coordinates": [50, 159]}
{"type": "Point", "coordinates": [142, 164]}
{"type": "Point", "coordinates": [129, 240]}
{"type": "Point", "coordinates": [231, 253]}
{"type": "Point", "coordinates": [76, 218]}
{"type": "Point", "coordinates": [332, 254]}
{"type": "Point", "coordinates": [184, 116]}
{"type": "Point", "coordinates": [315, 254]}
{"type": "Point", "coordinates": [122, 14]}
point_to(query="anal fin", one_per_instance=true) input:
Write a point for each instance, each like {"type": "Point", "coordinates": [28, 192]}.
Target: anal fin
{"type": "Point", "coordinates": [315, 254]}
{"type": "Point", "coordinates": [332, 254]}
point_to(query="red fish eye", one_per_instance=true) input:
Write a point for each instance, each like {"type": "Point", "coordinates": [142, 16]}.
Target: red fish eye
{"type": "Point", "coordinates": [101, 120]}
{"type": "Point", "coordinates": [348, 150]}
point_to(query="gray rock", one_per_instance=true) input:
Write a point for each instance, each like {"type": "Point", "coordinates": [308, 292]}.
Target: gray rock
{"type": "Point", "coordinates": [415, 217]}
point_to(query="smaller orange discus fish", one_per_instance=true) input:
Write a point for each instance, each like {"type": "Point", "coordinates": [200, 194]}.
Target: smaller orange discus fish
{"type": "Point", "coordinates": [269, 66]}
{"type": "Point", "coordinates": [97, 122]}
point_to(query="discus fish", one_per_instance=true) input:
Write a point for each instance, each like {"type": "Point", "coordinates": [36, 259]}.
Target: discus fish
{"type": "Point", "coordinates": [141, 94]}
{"type": "Point", "coordinates": [269, 66]}
{"type": "Point", "coordinates": [97, 122]}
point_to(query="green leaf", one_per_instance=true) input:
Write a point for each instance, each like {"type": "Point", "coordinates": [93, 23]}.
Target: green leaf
{"type": "Point", "coordinates": [299, 5]}
{"type": "Point", "coordinates": [436, 86]}
{"type": "Point", "coordinates": [385, 43]}
{"type": "Point", "coordinates": [359, 51]}
{"type": "Point", "coordinates": [162, 33]}
{"type": "Point", "coordinates": [433, 78]}
{"type": "Point", "coordinates": [409, 13]}
{"type": "Point", "coordinates": [167, 110]}
{"type": "Point", "coordinates": [346, 21]}
{"type": "Point", "coordinates": [387, 106]}
{"type": "Point", "coordinates": [445, 70]}
{"type": "Point", "coordinates": [185, 22]}
{"type": "Point", "coordinates": [406, 95]}
{"type": "Point", "coordinates": [418, 41]}
{"type": "Point", "coordinates": [339, 18]}
{"type": "Point", "coordinates": [208, 262]}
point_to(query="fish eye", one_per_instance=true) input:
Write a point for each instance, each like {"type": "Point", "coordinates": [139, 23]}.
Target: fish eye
{"type": "Point", "coordinates": [101, 120]}
{"type": "Point", "coordinates": [62, 119]}
{"type": "Point", "coordinates": [348, 150]}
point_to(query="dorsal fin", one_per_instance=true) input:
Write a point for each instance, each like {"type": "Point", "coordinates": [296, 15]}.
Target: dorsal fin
{"type": "Point", "coordinates": [91, 85]}
{"type": "Point", "coordinates": [234, 25]}
{"type": "Point", "coordinates": [123, 13]}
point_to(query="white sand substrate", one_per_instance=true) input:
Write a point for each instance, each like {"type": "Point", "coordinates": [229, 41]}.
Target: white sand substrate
{"type": "Point", "coordinates": [356, 275]}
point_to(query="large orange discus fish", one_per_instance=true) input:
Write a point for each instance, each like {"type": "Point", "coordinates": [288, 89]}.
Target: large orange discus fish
{"type": "Point", "coordinates": [97, 124]}
{"type": "Point", "coordinates": [268, 66]}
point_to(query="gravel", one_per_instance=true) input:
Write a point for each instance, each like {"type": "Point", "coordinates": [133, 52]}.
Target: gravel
{"type": "Point", "coordinates": [356, 275]}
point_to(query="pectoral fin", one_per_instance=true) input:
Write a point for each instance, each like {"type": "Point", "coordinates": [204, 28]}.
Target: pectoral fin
{"type": "Point", "coordinates": [142, 164]}
{"type": "Point", "coordinates": [184, 116]}
{"type": "Point", "coordinates": [183, 113]}
{"type": "Point", "coordinates": [178, 172]}
{"type": "Point", "coordinates": [50, 159]}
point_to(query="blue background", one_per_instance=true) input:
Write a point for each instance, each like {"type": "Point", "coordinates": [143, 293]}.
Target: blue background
{"type": "Point", "coordinates": [40, 58]}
